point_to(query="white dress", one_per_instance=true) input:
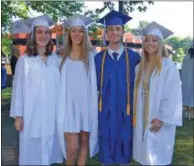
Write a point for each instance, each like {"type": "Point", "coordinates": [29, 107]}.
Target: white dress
{"type": "Point", "coordinates": [77, 103]}
{"type": "Point", "coordinates": [165, 104]}
{"type": "Point", "coordinates": [34, 97]}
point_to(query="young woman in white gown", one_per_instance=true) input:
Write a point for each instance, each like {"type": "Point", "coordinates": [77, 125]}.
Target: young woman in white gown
{"type": "Point", "coordinates": [77, 107]}
{"type": "Point", "coordinates": [157, 100]}
{"type": "Point", "coordinates": [34, 95]}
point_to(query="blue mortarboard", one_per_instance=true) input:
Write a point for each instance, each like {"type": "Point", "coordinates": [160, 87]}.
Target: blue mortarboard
{"type": "Point", "coordinates": [114, 18]}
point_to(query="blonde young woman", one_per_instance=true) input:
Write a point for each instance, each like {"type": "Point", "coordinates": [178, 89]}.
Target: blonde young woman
{"type": "Point", "coordinates": [77, 111]}
{"type": "Point", "coordinates": [157, 100]}
{"type": "Point", "coordinates": [34, 94]}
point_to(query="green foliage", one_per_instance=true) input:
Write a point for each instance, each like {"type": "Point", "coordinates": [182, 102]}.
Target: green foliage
{"type": "Point", "coordinates": [56, 8]}
{"type": "Point", "coordinates": [130, 6]}
{"type": "Point", "coordinates": [6, 42]}
{"type": "Point", "coordinates": [180, 45]}
{"type": "Point", "coordinates": [178, 57]}
{"type": "Point", "coordinates": [10, 10]}
{"type": "Point", "coordinates": [137, 31]}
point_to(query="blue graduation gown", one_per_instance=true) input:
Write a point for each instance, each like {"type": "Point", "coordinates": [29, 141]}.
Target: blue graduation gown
{"type": "Point", "coordinates": [114, 125]}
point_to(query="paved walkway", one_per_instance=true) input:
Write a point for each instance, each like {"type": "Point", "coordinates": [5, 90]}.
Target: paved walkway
{"type": "Point", "coordinates": [9, 136]}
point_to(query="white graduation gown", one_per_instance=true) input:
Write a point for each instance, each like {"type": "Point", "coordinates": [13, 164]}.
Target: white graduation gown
{"type": "Point", "coordinates": [92, 104]}
{"type": "Point", "coordinates": [188, 81]}
{"type": "Point", "coordinates": [165, 104]}
{"type": "Point", "coordinates": [34, 95]}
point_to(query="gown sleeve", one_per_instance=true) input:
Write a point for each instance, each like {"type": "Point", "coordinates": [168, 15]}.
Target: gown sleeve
{"type": "Point", "coordinates": [17, 99]}
{"type": "Point", "coordinates": [94, 107]}
{"type": "Point", "coordinates": [171, 102]}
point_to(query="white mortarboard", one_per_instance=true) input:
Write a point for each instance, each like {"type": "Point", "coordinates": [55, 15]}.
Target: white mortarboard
{"type": "Point", "coordinates": [19, 26]}
{"type": "Point", "coordinates": [77, 20]}
{"type": "Point", "coordinates": [158, 30]}
{"type": "Point", "coordinates": [43, 20]}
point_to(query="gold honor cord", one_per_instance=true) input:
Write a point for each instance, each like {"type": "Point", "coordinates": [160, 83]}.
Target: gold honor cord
{"type": "Point", "coordinates": [127, 77]}
{"type": "Point", "coordinates": [146, 106]}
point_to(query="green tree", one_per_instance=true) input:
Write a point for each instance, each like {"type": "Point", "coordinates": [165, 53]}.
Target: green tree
{"type": "Point", "coordinates": [178, 57]}
{"type": "Point", "coordinates": [138, 30]}
{"type": "Point", "coordinates": [180, 45]}
{"type": "Point", "coordinates": [186, 43]}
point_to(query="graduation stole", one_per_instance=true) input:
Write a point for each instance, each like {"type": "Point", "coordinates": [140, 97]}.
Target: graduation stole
{"type": "Point", "coordinates": [146, 88]}
{"type": "Point", "coordinates": [127, 78]}
{"type": "Point", "coordinates": [146, 103]}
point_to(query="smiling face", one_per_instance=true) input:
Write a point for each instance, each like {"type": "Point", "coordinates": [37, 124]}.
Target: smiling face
{"type": "Point", "coordinates": [42, 36]}
{"type": "Point", "coordinates": [115, 33]}
{"type": "Point", "coordinates": [77, 35]}
{"type": "Point", "coordinates": [151, 44]}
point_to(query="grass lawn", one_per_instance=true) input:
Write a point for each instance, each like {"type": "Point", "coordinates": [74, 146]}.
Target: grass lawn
{"type": "Point", "coordinates": [5, 97]}
{"type": "Point", "coordinates": [184, 147]}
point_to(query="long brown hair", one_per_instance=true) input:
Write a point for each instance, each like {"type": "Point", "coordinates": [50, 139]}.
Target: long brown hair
{"type": "Point", "coordinates": [86, 46]}
{"type": "Point", "coordinates": [15, 51]}
{"type": "Point", "coordinates": [31, 49]}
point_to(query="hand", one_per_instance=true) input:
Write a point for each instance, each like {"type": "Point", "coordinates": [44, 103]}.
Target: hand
{"type": "Point", "coordinates": [156, 125]}
{"type": "Point", "coordinates": [19, 123]}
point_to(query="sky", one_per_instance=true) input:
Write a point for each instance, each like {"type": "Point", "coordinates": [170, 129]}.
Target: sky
{"type": "Point", "coordinates": [174, 15]}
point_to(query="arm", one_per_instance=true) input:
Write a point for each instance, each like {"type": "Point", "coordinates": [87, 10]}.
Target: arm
{"type": "Point", "coordinates": [94, 104]}
{"type": "Point", "coordinates": [17, 98]}
{"type": "Point", "coordinates": [171, 101]}
{"type": "Point", "coordinates": [97, 60]}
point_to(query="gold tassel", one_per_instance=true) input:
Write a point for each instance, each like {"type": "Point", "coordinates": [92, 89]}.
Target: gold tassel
{"type": "Point", "coordinates": [128, 81]}
{"type": "Point", "coordinates": [128, 109]}
{"type": "Point", "coordinates": [101, 81]}
{"type": "Point", "coordinates": [100, 105]}
{"type": "Point", "coordinates": [134, 120]}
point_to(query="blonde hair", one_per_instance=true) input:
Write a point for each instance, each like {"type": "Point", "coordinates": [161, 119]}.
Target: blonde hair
{"type": "Point", "coordinates": [86, 47]}
{"type": "Point", "coordinates": [156, 64]}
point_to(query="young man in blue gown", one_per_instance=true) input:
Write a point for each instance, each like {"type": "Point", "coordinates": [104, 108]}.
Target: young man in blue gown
{"type": "Point", "coordinates": [115, 67]}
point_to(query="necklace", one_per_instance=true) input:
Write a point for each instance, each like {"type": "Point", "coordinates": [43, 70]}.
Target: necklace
{"type": "Point", "coordinates": [44, 58]}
